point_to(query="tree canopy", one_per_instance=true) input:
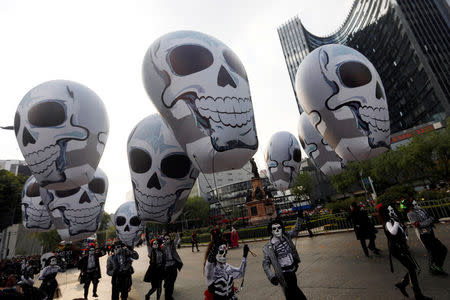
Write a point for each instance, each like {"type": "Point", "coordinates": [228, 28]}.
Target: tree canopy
{"type": "Point", "coordinates": [302, 185]}
{"type": "Point", "coordinates": [10, 198]}
{"type": "Point", "coordinates": [197, 208]}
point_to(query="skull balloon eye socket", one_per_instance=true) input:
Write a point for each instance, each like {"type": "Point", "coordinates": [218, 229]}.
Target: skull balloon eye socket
{"type": "Point", "coordinates": [140, 161]}
{"type": "Point", "coordinates": [97, 185]}
{"type": "Point", "coordinates": [234, 62]}
{"type": "Point", "coordinates": [33, 190]}
{"type": "Point", "coordinates": [16, 123]}
{"type": "Point", "coordinates": [47, 114]}
{"type": "Point", "coordinates": [297, 155]}
{"type": "Point", "coordinates": [176, 166]}
{"type": "Point", "coordinates": [120, 221]}
{"type": "Point", "coordinates": [354, 74]}
{"type": "Point", "coordinates": [189, 59]}
{"type": "Point", "coordinates": [63, 194]}
{"type": "Point", "coordinates": [134, 221]}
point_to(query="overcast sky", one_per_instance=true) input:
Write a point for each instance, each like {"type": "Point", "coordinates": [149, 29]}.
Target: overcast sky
{"type": "Point", "coordinates": [101, 44]}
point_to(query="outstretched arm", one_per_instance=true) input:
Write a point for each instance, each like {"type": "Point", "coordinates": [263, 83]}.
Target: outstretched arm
{"type": "Point", "coordinates": [294, 232]}
{"type": "Point", "coordinates": [239, 272]}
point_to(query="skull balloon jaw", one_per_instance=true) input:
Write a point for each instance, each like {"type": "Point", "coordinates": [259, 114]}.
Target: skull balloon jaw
{"type": "Point", "coordinates": [35, 216]}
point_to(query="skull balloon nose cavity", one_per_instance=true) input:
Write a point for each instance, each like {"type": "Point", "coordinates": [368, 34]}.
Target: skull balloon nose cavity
{"type": "Point", "coordinates": [224, 78]}
{"type": "Point", "coordinates": [27, 138]}
{"type": "Point", "coordinates": [127, 228]}
{"type": "Point", "coordinates": [84, 198]}
{"type": "Point", "coordinates": [154, 182]}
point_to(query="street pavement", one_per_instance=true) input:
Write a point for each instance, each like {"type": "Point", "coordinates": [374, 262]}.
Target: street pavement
{"type": "Point", "coordinates": [333, 266]}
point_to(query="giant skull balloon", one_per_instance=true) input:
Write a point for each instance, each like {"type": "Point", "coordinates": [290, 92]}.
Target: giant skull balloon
{"type": "Point", "coordinates": [283, 158]}
{"type": "Point", "coordinates": [35, 216]}
{"type": "Point", "coordinates": [317, 148]}
{"type": "Point", "coordinates": [77, 213]}
{"type": "Point", "coordinates": [61, 127]}
{"type": "Point", "coordinates": [344, 97]}
{"type": "Point", "coordinates": [201, 89]}
{"type": "Point", "coordinates": [161, 172]}
{"type": "Point", "coordinates": [128, 226]}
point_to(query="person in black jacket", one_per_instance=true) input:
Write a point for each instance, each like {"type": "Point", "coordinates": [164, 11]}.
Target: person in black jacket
{"type": "Point", "coordinates": [364, 229]}
{"type": "Point", "coordinates": [89, 266]}
{"type": "Point", "coordinates": [172, 265]}
{"type": "Point", "coordinates": [155, 270]}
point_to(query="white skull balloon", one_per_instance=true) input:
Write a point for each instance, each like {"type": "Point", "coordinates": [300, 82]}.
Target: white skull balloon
{"type": "Point", "coordinates": [161, 172]}
{"type": "Point", "coordinates": [201, 89]}
{"type": "Point", "coordinates": [317, 148]}
{"type": "Point", "coordinates": [61, 127]}
{"type": "Point", "coordinates": [128, 226]}
{"type": "Point", "coordinates": [283, 156]}
{"type": "Point", "coordinates": [77, 213]}
{"type": "Point", "coordinates": [35, 216]}
{"type": "Point", "coordinates": [343, 95]}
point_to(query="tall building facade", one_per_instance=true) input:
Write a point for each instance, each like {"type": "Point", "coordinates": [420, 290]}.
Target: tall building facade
{"type": "Point", "coordinates": [18, 167]}
{"type": "Point", "coordinates": [408, 42]}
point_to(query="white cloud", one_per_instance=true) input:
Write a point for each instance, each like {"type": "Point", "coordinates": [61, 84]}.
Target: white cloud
{"type": "Point", "coordinates": [101, 45]}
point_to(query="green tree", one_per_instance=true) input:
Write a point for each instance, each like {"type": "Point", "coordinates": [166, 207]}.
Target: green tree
{"type": "Point", "coordinates": [302, 185]}
{"type": "Point", "coordinates": [49, 240]}
{"type": "Point", "coordinates": [10, 198]}
{"type": "Point", "coordinates": [104, 224]}
{"type": "Point", "coordinates": [345, 180]}
{"type": "Point", "coordinates": [197, 208]}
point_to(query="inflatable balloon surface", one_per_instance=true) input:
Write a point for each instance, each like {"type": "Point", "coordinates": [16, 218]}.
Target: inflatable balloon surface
{"type": "Point", "coordinates": [35, 216]}
{"type": "Point", "coordinates": [77, 213]}
{"type": "Point", "coordinates": [128, 225]}
{"type": "Point", "coordinates": [317, 148]}
{"type": "Point", "coordinates": [61, 128]}
{"type": "Point", "coordinates": [344, 98]}
{"type": "Point", "coordinates": [201, 89]}
{"type": "Point", "coordinates": [283, 157]}
{"type": "Point", "coordinates": [161, 172]}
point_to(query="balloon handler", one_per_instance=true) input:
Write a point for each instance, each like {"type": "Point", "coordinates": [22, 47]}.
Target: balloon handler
{"type": "Point", "coordinates": [48, 276]}
{"type": "Point", "coordinates": [89, 266]}
{"type": "Point", "coordinates": [397, 236]}
{"type": "Point", "coordinates": [424, 228]}
{"type": "Point", "coordinates": [119, 267]}
{"type": "Point", "coordinates": [155, 270]}
{"type": "Point", "coordinates": [281, 253]}
{"type": "Point", "coordinates": [220, 275]}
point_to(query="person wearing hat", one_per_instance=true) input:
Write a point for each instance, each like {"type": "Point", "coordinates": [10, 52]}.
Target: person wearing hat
{"type": "Point", "coordinates": [89, 266]}
{"type": "Point", "coordinates": [118, 266]}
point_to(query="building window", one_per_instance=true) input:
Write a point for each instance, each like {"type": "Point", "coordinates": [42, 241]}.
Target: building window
{"type": "Point", "coordinates": [254, 211]}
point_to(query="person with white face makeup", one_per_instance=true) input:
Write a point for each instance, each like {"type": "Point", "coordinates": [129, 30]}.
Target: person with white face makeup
{"type": "Point", "coordinates": [48, 276]}
{"type": "Point", "coordinates": [155, 270]}
{"type": "Point", "coordinates": [172, 265]}
{"type": "Point", "coordinates": [89, 266]}
{"type": "Point", "coordinates": [281, 253]}
{"type": "Point", "coordinates": [424, 224]}
{"type": "Point", "coordinates": [396, 235]}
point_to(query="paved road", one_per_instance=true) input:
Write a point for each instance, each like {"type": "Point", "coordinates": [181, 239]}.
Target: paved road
{"type": "Point", "coordinates": [333, 267]}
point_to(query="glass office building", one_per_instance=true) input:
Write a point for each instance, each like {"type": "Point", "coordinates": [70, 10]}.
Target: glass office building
{"type": "Point", "coordinates": [408, 42]}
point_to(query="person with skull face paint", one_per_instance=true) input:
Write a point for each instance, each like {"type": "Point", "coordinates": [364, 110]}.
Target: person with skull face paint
{"type": "Point", "coordinates": [172, 265]}
{"type": "Point", "coordinates": [220, 275]}
{"type": "Point", "coordinates": [397, 236]}
{"type": "Point", "coordinates": [155, 270]}
{"type": "Point", "coordinates": [281, 253]}
{"type": "Point", "coordinates": [48, 276]}
{"type": "Point", "coordinates": [424, 227]}
{"type": "Point", "coordinates": [89, 266]}
{"type": "Point", "coordinates": [119, 267]}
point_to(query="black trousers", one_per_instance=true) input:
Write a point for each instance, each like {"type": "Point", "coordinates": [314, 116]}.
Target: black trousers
{"type": "Point", "coordinates": [156, 286]}
{"type": "Point", "coordinates": [170, 275]}
{"type": "Point", "coordinates": [405, 258]}
{"type": "Point", "coordinates": [292, 291]}
{"type": "Point", "coordinates": [437, 252]}
{"type": "Point", "coordinates": [196, 245]}
{"type": "Point", "coordinates": [371, 245]}
{"type": "Point", "coordinates": [121, 283]}
{"type": "Point", "coordinates": [90, 276]}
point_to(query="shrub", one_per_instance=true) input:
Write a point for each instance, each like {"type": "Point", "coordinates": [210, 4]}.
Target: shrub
{"type": "Point", "coordinates": [432, 195]}
{"type": "Point", "coordinates": [395, 193]}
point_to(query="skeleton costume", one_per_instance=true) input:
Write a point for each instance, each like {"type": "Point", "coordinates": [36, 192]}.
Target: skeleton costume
{"type": "Point", "coordinates": [89, 266]}
{"type": "Point", "coordinates": [119, 267]}
{"type": "Point", "coordinates": [172, 265]}
{"type": "Point", "coordinates": [424, 228]}
{"type": "Point", "coordinates": [155, 270]}
{"type": "Point", "coordinates": [398, 248]}
{"type": "Point", "coordinates": [281, 253]}
{"type": "Point", "coordinates": [220, 275]}
{"type": "Point", "coordinates": [48, 277]}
